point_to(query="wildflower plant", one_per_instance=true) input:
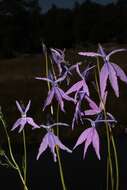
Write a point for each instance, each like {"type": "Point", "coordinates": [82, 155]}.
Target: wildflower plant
{"type": "Point", "coordinates": [79, 93]}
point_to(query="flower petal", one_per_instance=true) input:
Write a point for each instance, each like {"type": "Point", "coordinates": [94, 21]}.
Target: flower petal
{"type": "Point", "coordinates": [59, 98]}
{"type": "Point", "coordinates": [62, 146]}
{"type": "Point", "coordinates": [103, 78]}
{"type": "Point", "coordinates": [95, 142]}
{"type": "Point", "coordinates": [84, 135]}
{"type": "Point", "coordinates": [28, 106]}
{"type": "Point", "coordinates": [22, 124]}
{"type": "Point", "coordinates": [32, 123]}
{"type": "Point", "coordinates": [113, 52]}
{"type": "Point", "coordinates": [16, 124]}
{"type": "Point", "coordinates": [90, 54]}
{"type": "Point", "coordinates": [49, 98]}
{"type": "Point", "coordinates": [75, 87]}
{"type": "Point", "coordinates": [19, 107]}
{"type": "Point", "coordinates": [120, 73]}
{"type": "Point", "coordinates": [90, 112]}
{"type": "Point", "coordinates": [65, 96]}
{"type": "Point", "coordinates": [92, 104]}
{"type": "Point", "coordinates": [43, 146]}
{"type": "Point", "coordinates": [113, 80]}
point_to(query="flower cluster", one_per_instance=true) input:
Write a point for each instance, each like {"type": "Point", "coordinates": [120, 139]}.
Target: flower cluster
{"type": "Point", "coordinates": [78, 94]}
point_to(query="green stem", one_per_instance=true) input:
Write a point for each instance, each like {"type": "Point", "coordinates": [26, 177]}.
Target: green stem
{"type": "Point", "coordinates": [11, 154]}
{"type": "Point", "coordinates": [116, 162]}
{"type": "Point", "coordinates": [60, 169]}
{"type": "Point", "coordinates": [25, 156]}
{"type": "Point", "coordinates": [107, 177]}
{"type": "Point", "coordinates": [9, 162]}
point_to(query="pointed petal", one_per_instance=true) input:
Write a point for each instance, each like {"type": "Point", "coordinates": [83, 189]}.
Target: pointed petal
{"type": "Point", "coordinates": [58, 124]}
{"type": "Point", "coordinates": [85, 88]}
{"type": "Point", "coordinates": [84, 135]}
{"type": "Point", "coordinates": [43, 146]}
{"type": "Point", "coordinates": [114, 51]}
{"type": "Point", "coordinates": [101, 51]}
{"type": "Point", "coordinates": [62, 78]}
{"type": "Point", "coordinates": [43, 78]}
{"type": "Point", "coordinates": [19, 107]}
{"type": "Point", "coordinates": [87, 143]}
{"type": "Point", "coordinates": [92, 104]}
{"type": "Point", "coordinates": [28, 106]}
{"type": "Point", "coordinates": [52, 144]}
{"type": "Point", "coordinates": [90, 112]}
{"type": "Point", "coordinates": [75, 87]}
{"type": "Point", "coordinates": [113, 80]}
{"type": "Point", "coordinates": [23, 122]}
{"type": "Point", "coordinates": [119, 72]}
{"type": "Point", "coordinates": [95, 142]}
{"type": "Point", "coordinates": [103, 78]}
{"type": "Point", "coordinates": [59, 99]}
{"type": "Point", "coordinates": [16, 124]}
{"type": "Point", "coordinates": [62, 146]}
{"type": "Point", "coordinates": [90, 54]}
{"type": "Point", "coordinates": [49, 98]}
{"type": "Point", "coordinates": [65, 96]}
{"type": "Point", "coordinates": [32, 123]}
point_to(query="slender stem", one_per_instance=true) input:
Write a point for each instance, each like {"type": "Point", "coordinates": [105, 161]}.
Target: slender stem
{"type": "Point", "coordinates": [9, 162]}
{"type": "Point", "coordinates": [11, 154]}
{"type": "Point", "coordinates": [116, 162]}
{"type": "Point", "coordinates": [58, 109]}
{"type": "Point", "coordinates": [107, 177]}
{"type": "Point", "coordinates": [25, 156]}
{"type": "Point", "coordinates": [60, 168]}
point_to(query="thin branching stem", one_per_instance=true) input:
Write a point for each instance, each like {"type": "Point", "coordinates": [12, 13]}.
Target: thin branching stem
{"type": "Point", "coordinates": [11, 154]}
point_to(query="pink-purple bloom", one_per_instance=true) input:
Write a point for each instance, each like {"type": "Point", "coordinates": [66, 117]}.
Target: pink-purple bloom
{"type": "Point", "coordinates": [21, 122]}
{"type": "Point", "coordinates": [80, 85]}
{"type": "Point", "coordinates": [51, 140]}
{"type": "Point", "coordinates": [56, 91]}
{"type": "Point", "coordinates": [90, 136]}
{"type": "Point", "coordinates": [94, 108]}
{"type": "Point", "coordinates": [109, 70]}
{"type": "Point", "coordinates": [78, 112]}
{"type": "Point", "coordinates": [58, 57]}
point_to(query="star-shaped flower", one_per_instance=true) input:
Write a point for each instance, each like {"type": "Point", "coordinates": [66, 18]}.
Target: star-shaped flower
{"type": "Point", "coordinates": [57, 92]}
{"type": "Point", "coordinates": [58, 57]}
{"type": "Point", "coordinates": [78, 113]}
{"type": "Point", "coordinates": [51, 140]}
{"type": "Point", "coordinates": [109, 70]}
{"type": "Point", "coordinates": [24, 119]}
{"type": "Point", "coordinates": [80, 85]}
{"type": "Point", "coordinates": [95, 109]}
{"type": "Point", "coordinates": [90, 135]}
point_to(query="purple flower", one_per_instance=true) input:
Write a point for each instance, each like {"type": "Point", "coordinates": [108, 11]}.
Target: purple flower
{"type": "Point", "coordinates": [95, 109]}
{"type": "Point", "coordinates": [90, 135]}
{"type": "Point", "coordinates": [51, 140]}
{"type": "Point", "coordinates": [58, 57]}
{"type": "Point", "coordinates": [109, 69]}
{"type": "Point", "coordinates": [57, 92]}
{"type": "Point", "coordinates": [80, 85]}
{"type": "Point", "coordinates": [24, 119]}
{"type": "Point", "coordinates": [78, 113]}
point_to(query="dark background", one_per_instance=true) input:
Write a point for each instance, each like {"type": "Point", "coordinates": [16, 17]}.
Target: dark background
{"type": "Point", "coordinates": [23, 27]}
